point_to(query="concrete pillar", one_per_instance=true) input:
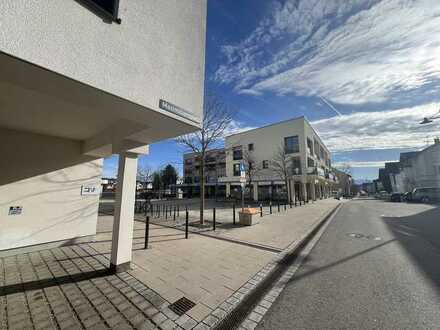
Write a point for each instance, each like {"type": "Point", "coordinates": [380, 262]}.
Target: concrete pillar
{"type": "Point", "coordinates": [292, 191]}
{"type": "Point", "coordinates": [255, 186]}
{"type": "Point", "coordinates": [228, 190]}
{"type": "Point", "coordinates": [313, 190]}
{"type": "Point", "coordinates": [304, 191]}
{"type": "Point", "coordinates": [124, 213]}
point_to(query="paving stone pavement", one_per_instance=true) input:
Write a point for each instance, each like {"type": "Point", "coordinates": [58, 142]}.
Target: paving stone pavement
{"type": "Point", "coordinates": [70, 287]}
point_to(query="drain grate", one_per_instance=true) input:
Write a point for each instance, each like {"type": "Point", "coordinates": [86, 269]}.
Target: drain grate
{"type": "Point", "coordinates": [181, 306]}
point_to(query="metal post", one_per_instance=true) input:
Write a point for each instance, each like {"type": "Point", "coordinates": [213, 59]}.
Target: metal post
{"type": "Point", "coordinates": [285, 207]}
{"type": "Point", "coordinates": [270, 207]}
{"type": "Point", "coordinates": [213, 218]}
{"type": "Point", "coordinates": [166, 211]}
{"type": "Point", "coordinates": [178, 210]}
{"type": "Point", "coordinates": [174, 215]}
{"type": "Point", "coordinates": [278, 206]}
{"type": "Point", "coordinates": [261, 210]}
{"type": "Point", "coordinates": [147, 231]}
{"type": "Point", "coordinates": [186, 224]}
{"type": "Point", "coordinates": [233, 213]}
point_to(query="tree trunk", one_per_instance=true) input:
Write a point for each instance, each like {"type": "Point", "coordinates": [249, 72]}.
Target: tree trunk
{"type": "Point", "coordinates": [202, 188]}
{"type": "Point", "coordinates": [289, 198]}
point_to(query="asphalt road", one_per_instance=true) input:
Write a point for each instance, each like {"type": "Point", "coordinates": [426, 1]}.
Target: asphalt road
{"type": "Point", "coordinates": [387, 277]}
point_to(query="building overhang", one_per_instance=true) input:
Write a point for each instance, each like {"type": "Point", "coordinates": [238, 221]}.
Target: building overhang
{"type": "Point", "coordinates": [36, 100]}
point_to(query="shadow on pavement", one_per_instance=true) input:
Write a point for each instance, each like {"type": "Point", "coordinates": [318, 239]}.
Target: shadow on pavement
{"type": "Point", "coordinates": [419, 234]}
{"type": "Point", "coordinates": [333, 264]}
{"type": "Point", "coordinates": [46, 283]}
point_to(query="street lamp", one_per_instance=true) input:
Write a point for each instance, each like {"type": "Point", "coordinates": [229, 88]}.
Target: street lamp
{"type": "Point", "coordinates": [428, 120]}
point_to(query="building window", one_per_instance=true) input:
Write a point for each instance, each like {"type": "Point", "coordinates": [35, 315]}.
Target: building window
{"type": "Point", "coordinates": [310, 162]}
{"type": "Point", "coordinates": [296, 165]}
{"type": "Point", "coordinates": [310, 146]}
{"type": "Point", "coordinates": [237, 154]}
{"type": "Point", "coordinates": [265, 164]}
{"type": "Point", "coordinates": [321, 152]}
{"type": "Point", "coordinates": [237, 169]}
{"type": "Point", "coordinates": [251, 147]}
{"type": "Point", "coordinates": [316, 148]}
{"type": "Point", "coordinates": [291, 144]}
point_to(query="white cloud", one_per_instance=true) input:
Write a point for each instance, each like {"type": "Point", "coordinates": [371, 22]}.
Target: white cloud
{"type": "Point", "coordinates": [362, 164]}
{"type": "Point", "coordinates": [237, 127]}
{"type": "Point", "coordinates": [349, 52]}
{"type": "Point", "coordinates": [379, 129]}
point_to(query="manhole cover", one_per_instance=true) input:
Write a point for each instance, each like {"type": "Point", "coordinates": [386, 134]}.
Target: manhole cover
{"type": "Point", "coordinates": [362, 236]}
{"type": "Point", "coordinates": [181, 306]}
{"type": "Point", "coordinates": [356, 235]}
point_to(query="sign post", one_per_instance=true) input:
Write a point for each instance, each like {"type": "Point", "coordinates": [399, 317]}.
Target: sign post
{"type": "Point", "coordinates": [243, 183]}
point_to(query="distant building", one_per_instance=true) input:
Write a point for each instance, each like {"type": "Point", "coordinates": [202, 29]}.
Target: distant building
{"type": "Point", "coordinates": [345, 182]}
{"type": "Point", "coordinates": [414, 170]}
{"type": "Point", "coordinates": [310, 175]}
{"type": "Point", "coordinates": [215, 168]}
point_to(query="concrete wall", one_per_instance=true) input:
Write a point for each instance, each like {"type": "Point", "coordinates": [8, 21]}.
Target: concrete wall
{"type": "Point", "coordinates": [44, 176]}
{"type": "Point", "coordinates": [157, 52]}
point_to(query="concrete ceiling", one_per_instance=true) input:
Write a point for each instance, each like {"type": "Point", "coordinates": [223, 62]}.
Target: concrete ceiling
{"type": "Point", "coordinates": [36, 100]}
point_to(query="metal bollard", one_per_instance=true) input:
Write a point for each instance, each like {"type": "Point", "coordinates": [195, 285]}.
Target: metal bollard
{"type": "Point", "coordinates": [270, 207]}
{"type": "Point", "coordinates": [186, 225]}
{"type": "Point", "coordinates": [166, 212]}
{"type": "Point", "coordinates": [285, 207]}
{"type": "Point", "coordinates": [174, 215]}
{"type": "Point", "coordinates": [233, 213]}
{"type": "Point", "coordinates": [290, 204]}
{"type": "Point", "coordinates": [213, 218]}
{"type": "Point", "coordinates": [147, 231]}
{"type": "Point", "coordinates": [261, 210]}
{"type": "Point", "coordinates": [278, 206]}
{"type": "Point", "coordinates": [178, 210]}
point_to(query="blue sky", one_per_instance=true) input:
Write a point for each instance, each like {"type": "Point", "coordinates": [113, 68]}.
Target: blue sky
{"type": "Point", "coordinates": [363, 72]}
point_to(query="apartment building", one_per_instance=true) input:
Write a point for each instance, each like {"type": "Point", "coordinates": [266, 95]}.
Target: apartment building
{"type": "Point", "coordinates": [309, 173]}
{"type": "Point", "coordinates": [417, 169]}
{"type": "Point", "coordinates": [215, 168]}
{"type": "Point", "coordinates": [82, 80]}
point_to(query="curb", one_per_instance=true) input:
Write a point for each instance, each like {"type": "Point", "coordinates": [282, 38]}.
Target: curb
{"type": "Point", "coordinates": [232, 312]}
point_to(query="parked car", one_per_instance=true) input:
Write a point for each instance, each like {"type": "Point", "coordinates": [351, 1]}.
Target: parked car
{"type": "Point", "coordinates": [426, 194]}
{"type": "Point", "coordinates": [407, 197]}
{"type": "Point", "coordinates": [396, 197]}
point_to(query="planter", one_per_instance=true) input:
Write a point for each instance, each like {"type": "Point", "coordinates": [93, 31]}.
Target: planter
{"type": "Point", "coordinates": [248, 217]}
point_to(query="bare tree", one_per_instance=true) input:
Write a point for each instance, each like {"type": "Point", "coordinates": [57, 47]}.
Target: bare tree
{"type": "Point", "coordinates": [281, 165]}
{"type": "Point", "coordinates": [144, 173]}
{"type": "Point", "coordinates": [251, 167]}
{"type": "Point", "coordinates": [216, 119]}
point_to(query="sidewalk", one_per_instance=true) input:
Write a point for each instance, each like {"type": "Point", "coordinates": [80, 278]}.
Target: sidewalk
{"type": "Point", "coordinates": [69, 286]}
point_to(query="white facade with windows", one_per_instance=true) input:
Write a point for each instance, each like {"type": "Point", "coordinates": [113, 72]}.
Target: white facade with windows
{"type": "Point", "coordinates": [309, 161]}
{"type": "Point", "coordinates": [78, 84]}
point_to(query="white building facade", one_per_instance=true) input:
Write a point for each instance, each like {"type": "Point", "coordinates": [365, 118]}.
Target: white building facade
{"type": "Point", "coordinates": [309, 174]}
{"type": "Point", "coordinates": [419, 169]}
{"type": "Point", "coordinates": [81, 81]}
